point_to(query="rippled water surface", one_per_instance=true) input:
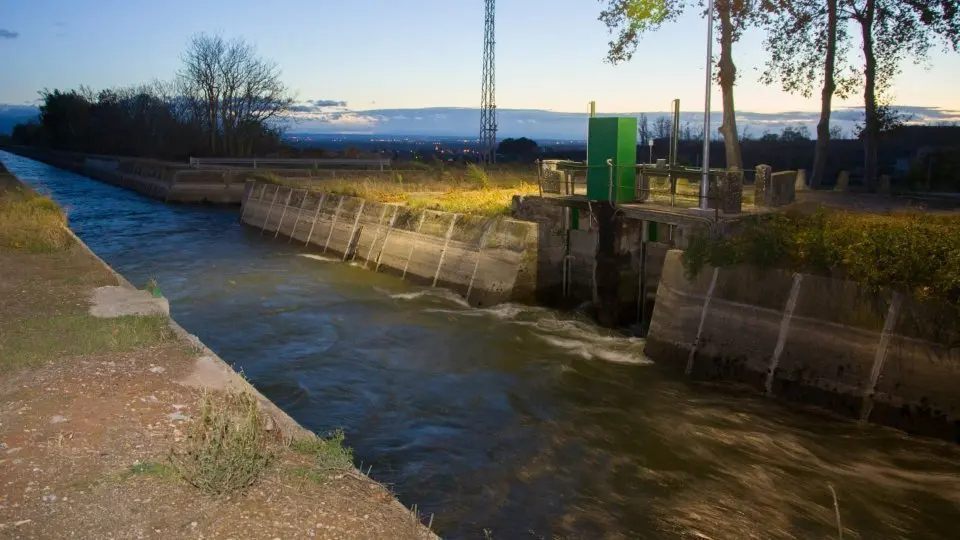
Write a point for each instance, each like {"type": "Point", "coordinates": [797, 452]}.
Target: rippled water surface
{"type": "Point", "coordinates": [519, 420]}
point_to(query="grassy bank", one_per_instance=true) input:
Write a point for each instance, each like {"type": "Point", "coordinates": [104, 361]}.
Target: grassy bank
{"type": "Point", "coordinates": [469, 190]}
{"type": "Point", "coordinates": [29, 221]}
{"type": "Point", "coordinates": [116, 427]}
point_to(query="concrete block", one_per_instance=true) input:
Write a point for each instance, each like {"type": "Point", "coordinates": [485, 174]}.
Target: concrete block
{"type": "Point", "coordinates": [120, 301]}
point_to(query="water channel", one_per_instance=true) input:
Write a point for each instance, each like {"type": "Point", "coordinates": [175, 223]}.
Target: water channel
{"type": "Point", "coordinates": [524, 421]}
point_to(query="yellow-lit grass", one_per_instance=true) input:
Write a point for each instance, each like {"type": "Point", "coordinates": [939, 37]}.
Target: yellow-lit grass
{"type": "Point", "coordinates": [29, 222]}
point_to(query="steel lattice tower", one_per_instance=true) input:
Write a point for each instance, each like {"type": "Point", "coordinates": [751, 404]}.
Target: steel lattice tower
{"type": "Point", "coordinates": [488, 106]}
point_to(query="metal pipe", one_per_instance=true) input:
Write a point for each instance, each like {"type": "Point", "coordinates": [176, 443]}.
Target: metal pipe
{"type": "Point", "coordinates": [705, 181]}
{"type": "Point", "coordinates": [272, 202]}
{"type": "Point", "coordinates": [610, 166]}
{"type": "Point", "coordinates": [303, 203]}
{"type": "Point", "coordinates": [316, 217]}
{"type": "Point", "coordinates": [286, 204]}
{"type": "Point", "coordinates": [333, 225]}
{"type": "Point", "coordinates": [443, 252]}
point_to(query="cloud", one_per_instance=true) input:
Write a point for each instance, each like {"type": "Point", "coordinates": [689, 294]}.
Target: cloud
{"type": "Point", "coordinates": [4, 33]}
{"type": "Point", "coordinates": [328, 103]}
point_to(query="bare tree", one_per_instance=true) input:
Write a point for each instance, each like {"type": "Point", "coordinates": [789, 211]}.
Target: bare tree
{"type": "Point", "coordinates": [643, 129]}
{"type": "Point", "coordinates": [234, 95]}
{"type": "Point", "coordinates": [662, 127]}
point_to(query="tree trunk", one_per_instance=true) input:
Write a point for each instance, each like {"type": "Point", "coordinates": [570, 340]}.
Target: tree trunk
{"type": "Point", "coordinates": [826, 100]}
{"type": "Point", "coordinates": [728, 76]}
{"type": "Point", "coordinates": [871, 130]}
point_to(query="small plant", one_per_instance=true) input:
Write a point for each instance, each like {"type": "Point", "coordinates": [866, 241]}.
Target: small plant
{"type": "Point", "coordinates": [227, 446]}
{"type": "Point", "coordinates": [152, 288]}
{"type": "Point", "coordinates": [331, 455]}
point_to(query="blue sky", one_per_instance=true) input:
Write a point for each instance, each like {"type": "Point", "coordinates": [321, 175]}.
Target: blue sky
{"type": "Point", "coordinates": [377, 54]}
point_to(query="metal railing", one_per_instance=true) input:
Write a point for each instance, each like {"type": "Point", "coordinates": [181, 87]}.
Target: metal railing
{"type": "Point", "coordinates": [381, 163]}
{"type": "Point", "coordinates": [659, 184]}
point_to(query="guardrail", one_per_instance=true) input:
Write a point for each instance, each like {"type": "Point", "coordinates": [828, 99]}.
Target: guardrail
{"type": "Point", "coordinates": [260, 162]}
{"type": "Point", "coordinates": [654, 184]}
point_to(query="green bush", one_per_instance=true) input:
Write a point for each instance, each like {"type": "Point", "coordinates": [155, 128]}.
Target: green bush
{"type": "Point", "coordinates": [910, 252]}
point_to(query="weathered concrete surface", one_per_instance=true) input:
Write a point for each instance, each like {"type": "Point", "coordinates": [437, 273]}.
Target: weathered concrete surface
{"type": "Point", "coordinates": [112, 301]}
{"type": "Point", "coordinates": [572, 268]}
{"type": "Point", "coordinates": [809, 339]}
{"type": "Point", "coordinates": [486, 260]}
{"type": "Point", "coordinates": [167, 181]}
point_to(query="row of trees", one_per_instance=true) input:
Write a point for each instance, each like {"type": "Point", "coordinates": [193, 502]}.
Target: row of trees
{"type": "Point", "coordinates": [662, 128]}
{"type": "Point", "coordinates": [811, 44]}
{"type": "Point", "coordinates": [225, 100]}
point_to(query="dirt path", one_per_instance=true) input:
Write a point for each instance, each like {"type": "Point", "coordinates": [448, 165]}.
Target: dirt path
{"type": "Point", "coordinates": [91, 408]}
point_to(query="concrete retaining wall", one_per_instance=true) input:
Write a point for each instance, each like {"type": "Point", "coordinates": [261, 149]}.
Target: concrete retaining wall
{"type": "Point", "coordinates": [568, 255]}
{"type": "Point", "coordinates": [486, 260]}
{"type": "Point", "coordinates": [809, 339]}
{"type": "Point", "coordinates": [169, 182]}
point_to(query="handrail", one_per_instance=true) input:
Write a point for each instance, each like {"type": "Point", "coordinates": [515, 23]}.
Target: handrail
{"type": "Point", "coordinates": [199, 162]}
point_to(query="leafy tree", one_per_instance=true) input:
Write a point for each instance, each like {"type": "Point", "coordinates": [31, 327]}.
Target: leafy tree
{"type": "Point", "coordinates": [892, 31]}
{"type": "Point", "coordinates": [630, 19]}
{"type": "Point", "coordinates": [522, 149]}
{"type": "Point", "coordinates": [808, 42]}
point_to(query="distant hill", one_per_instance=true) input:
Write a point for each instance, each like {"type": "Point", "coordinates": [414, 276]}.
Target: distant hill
{"type": "Point", "coordinates": [11, 115]}
{"type": "Point", "coordinates": [320, 117]}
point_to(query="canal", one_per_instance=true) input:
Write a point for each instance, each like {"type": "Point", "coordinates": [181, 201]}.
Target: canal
{"type": "Point", "coordinates": [524, 421]}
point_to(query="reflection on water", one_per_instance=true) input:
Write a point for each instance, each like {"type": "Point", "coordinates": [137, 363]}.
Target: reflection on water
{"type": "Point", "coordinates": [521, 420]}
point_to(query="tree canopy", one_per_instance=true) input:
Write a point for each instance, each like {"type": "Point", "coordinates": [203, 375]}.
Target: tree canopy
{"type": "Point", "coordinates": [224, 101]}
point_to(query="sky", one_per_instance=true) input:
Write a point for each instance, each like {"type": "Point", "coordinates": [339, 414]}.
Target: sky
{"type": "Point", "coordinates": [395, 54]}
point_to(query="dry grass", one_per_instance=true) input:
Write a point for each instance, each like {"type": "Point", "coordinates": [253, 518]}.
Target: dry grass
{"type": "Point", "coordinates": [227, 446]}
{"type": "Point", "coordinates": [28, 221]}
{"type": "Point", "coordinates": [464, 191]}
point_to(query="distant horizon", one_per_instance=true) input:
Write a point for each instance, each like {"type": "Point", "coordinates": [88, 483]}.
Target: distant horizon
{"type": "Point", "coordinates": [321, 118]}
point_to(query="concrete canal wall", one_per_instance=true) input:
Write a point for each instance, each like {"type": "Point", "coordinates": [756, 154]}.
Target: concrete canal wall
{"type": "Point", "coordinates": [486, 260]}
{"type": "Point", "coordinates": [810, 339]}
{"type": "Point", "coordinates": [167, 181]}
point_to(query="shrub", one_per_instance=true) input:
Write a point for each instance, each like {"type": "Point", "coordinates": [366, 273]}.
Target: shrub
{"type": "Point", "coordinates": [227, 446]}
{"type": "Point", "coordinates": [908, 251]}
{"type": "Point", "coordinates": [478, 177]}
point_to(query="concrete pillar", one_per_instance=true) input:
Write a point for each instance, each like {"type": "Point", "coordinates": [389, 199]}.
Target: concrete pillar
{"type": "Point", "coordinates": [764, 173]}
{"type": "Point", "coordinates": [726, 191]}
{"type": "Point", "coordinates": [843, 181]}
{"type": "Point", "coordinates": [884, 188]}
{"type": "Point", "coordinates": [616, 266]}
{"type": "Point", "coordinates": [801, 180]}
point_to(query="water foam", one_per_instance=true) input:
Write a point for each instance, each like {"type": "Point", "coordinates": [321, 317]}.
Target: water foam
{"type": "Point", "coordinates": [442, 294]}
{"type": "Point", "coordinates": [320, 258]}
{"type": "Point", "coordinates": [592, 351]}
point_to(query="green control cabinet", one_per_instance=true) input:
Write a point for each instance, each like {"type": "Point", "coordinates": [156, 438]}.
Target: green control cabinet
{"type": "Point", "coordinates": [613, 138]}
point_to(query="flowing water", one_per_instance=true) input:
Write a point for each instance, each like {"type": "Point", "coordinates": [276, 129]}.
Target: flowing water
{"type": "Point", "coordinates": [519, 420]}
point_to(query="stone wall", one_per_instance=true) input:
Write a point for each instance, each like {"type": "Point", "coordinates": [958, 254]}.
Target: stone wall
{"type": "Point", "coordinates": [486, 260]}
{"type": "Point", "coordinates": [809, 339]}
